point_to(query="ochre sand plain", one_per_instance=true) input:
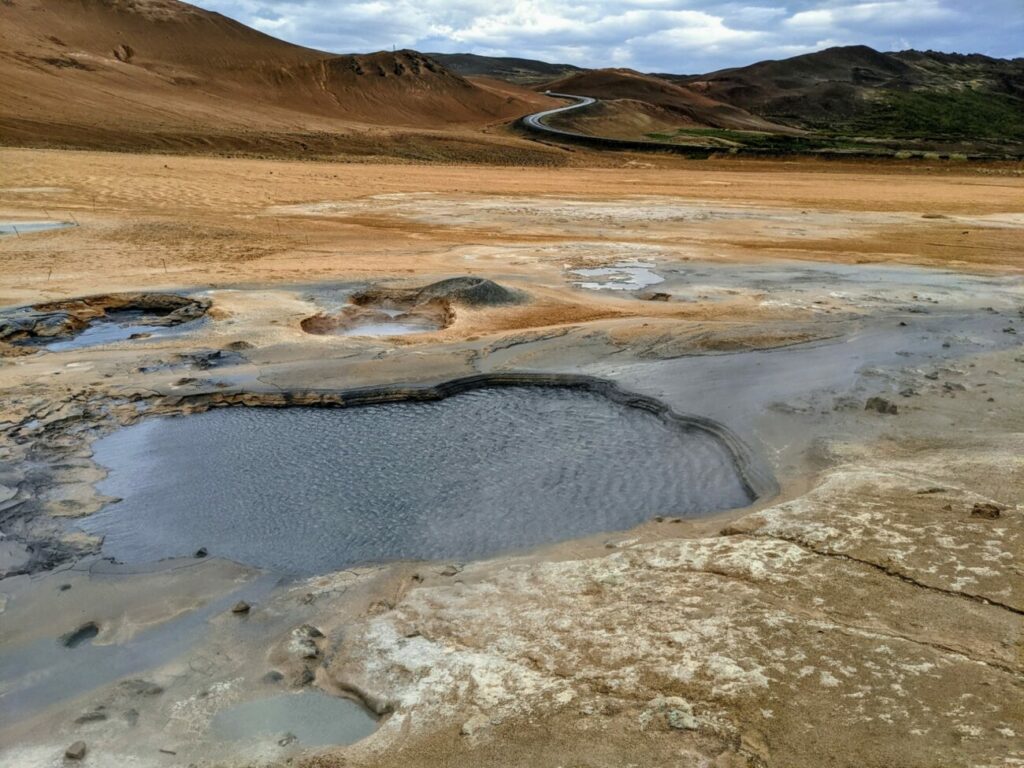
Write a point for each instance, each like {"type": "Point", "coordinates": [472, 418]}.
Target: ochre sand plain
{"type": "Point", "coordinates": [860, 617]}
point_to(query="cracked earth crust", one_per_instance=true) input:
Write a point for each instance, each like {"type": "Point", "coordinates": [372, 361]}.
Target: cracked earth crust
{"type": "Point", "coordinates": [772, 643]}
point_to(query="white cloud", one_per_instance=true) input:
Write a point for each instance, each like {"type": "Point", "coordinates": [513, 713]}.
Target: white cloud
{"type": "Point", "coordinates": [880, 14]}
{"type": "Point", "coordinates": [653, 35]}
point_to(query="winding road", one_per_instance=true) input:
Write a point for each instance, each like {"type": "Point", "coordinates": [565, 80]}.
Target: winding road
{"type": "Point", "coordinates": [535, 122]}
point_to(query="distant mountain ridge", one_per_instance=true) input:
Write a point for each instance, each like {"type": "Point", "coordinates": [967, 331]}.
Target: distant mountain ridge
{"type": "Point", "coordinates": [163, 74]}
{"type": "Point", "coordinates": [849, 91]}
{"type": "Point", "coordinates": [859, 90]}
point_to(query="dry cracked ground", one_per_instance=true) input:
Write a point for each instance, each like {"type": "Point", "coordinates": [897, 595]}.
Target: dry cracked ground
{"type": "Point", "coordinates": [867, 611]}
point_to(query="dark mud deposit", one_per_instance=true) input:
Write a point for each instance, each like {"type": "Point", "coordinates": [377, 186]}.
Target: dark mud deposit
{"type": "Point", "coordinates": [307, 490]}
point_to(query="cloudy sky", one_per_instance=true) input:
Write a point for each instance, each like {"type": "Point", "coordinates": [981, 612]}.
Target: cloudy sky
{"type": "Point", "coordinates": [683, 36]}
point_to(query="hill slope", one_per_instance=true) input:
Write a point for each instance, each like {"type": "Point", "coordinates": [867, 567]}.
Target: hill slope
{"type": "Point", "coordinates": [629, 96]}
{"type": "Point", "coordinates": [859, 90]}
{"type": "Point", "coordinates": [150, 73]}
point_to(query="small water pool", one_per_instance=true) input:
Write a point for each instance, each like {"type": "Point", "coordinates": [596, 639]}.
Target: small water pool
{"type": "Point", "coordinates": [308, 490]}
{"type": "Point", "coordinates": [307, 719]}
{"type": "Point", "coordinates": [114, 326]}
{"type": "Point", "coordinates": [633, 276]}
{"type": "Point", "coordinates": [386, 328]}
{"type": "Point", "coordinates": [29, 227]}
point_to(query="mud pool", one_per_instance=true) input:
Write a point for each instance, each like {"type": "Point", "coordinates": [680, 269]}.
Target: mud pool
{"type": "Point", "coordinates": [116, 326]}
{"type": "Point", "coordinates": [388, 328]}
{"type": "Point", "coordinates": [307, 490]}
{"type": "Point", "coordinates": [308, 719]}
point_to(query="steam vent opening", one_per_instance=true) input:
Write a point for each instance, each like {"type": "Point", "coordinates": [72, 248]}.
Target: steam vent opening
{"type": "Point", "coordinates": [306, 490]}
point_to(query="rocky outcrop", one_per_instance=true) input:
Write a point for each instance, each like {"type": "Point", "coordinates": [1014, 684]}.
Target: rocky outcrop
{"type": "Point", "coordinates": [471, 291]}
{"type": "Point", "coordinates": [468, 291]}
{"type": "Point", "coordinates": [432, 306]}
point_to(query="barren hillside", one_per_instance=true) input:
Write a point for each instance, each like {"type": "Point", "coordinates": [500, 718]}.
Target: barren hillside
{"type": "Point", "coordinates": [163, 74]}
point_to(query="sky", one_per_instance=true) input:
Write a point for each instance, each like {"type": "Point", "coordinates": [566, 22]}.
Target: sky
{"type": "Point", "coordinates": [679, 36]}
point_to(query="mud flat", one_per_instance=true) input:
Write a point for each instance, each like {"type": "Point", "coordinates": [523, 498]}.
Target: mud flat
{"type": "Point", "coordinates": [865, 355]}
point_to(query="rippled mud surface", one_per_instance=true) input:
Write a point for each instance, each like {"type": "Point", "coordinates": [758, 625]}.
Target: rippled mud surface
{"type": "Point", "coordinates": [306, 490]}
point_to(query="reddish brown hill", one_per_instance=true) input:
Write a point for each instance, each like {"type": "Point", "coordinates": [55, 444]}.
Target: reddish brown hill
{"type": "Point", "coordinates": [151, 73]}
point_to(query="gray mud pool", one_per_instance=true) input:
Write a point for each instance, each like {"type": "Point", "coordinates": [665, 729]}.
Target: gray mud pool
{"type": "Point", "coordinates": [116, 326]}
{"type": "Point", "coordinates": [309, 719]}
{"type": "Point", "coordinates": [308, 490]}
{"type": "Point", "coordinates": [386, 329]}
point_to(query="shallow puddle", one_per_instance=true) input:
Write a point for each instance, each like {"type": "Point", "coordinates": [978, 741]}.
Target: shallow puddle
{"type": "Point", "coordinates": [621, 277]}
{"type": "Point", "coordinates": [389, 328]}
{"type": "Point", "coordinates": [308, 490]}
{"type": "Point", "coordinates": [307, 719]}
{"type": "Point", "coordinates": [18, 228]}
{"type": "Point", "coordinates": [115, 326]}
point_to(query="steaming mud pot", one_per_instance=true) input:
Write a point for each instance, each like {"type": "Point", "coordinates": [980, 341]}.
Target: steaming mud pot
{"type": "Point", "coordinates": [397, 311]}
{"type": "Point", "coordinates": [306, 490]}
{"type": "Point", "coordinates": [377, 322]}
{"type": "Point", "coordinates": [386, 328]}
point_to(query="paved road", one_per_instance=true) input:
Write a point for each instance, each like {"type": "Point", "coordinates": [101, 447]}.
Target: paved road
{"type": "Point", "coordinates": [536, 120]}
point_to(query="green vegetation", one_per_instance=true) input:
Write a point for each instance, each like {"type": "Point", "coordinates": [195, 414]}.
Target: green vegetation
{"type": "Point", "coordinates": [920, 123]}
{"type": "Point", "coordinates": [724, 140]}
{"type": "Point", "coordinates": [958, 115]}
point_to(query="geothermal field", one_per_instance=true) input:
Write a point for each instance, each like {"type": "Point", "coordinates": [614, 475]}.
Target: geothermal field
{"type": "Point", "coordinates": [459, 445]}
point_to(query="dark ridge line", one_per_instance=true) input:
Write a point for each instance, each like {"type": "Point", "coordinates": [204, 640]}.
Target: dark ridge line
{"type": "Point", "coordinates": [757, 480]}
